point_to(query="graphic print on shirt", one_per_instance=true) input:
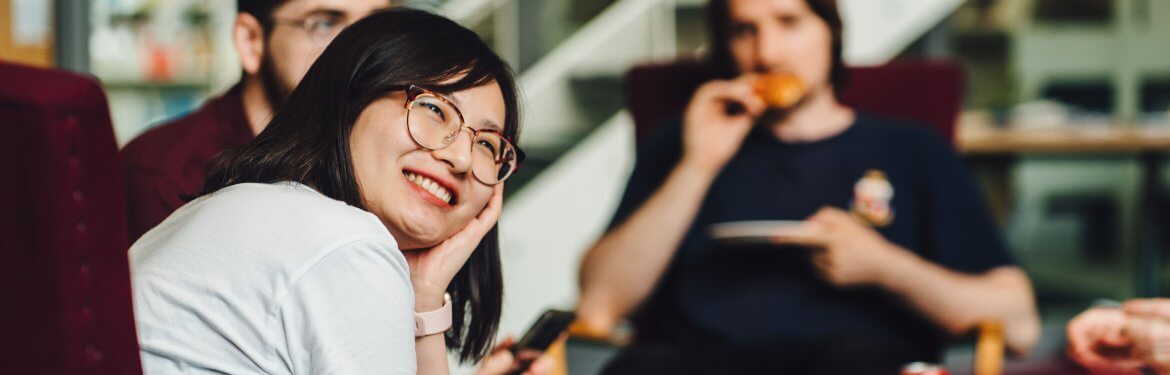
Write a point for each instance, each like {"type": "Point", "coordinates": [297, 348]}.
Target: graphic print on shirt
{"type": "Point", "coordinates": [871, 198]}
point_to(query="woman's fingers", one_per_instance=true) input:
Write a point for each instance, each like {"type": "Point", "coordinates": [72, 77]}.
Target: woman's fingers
{"type": "Point", "coordinates": [475, 229]}
{"type": "Point", "coordinates": [505, 344]}
{"type": "Point", "coordinates": [495, 205]}
{"type": "Point", "coordinates": [499, 362]}
{"type": "Point", "coordinates": [542, 366]}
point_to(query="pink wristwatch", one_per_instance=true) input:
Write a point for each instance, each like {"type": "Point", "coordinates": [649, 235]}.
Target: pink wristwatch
{"type": "Point", "coordinates": [434, 321]}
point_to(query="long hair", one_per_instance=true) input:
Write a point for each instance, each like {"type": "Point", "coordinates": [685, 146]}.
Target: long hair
{"type": "Point", "coordinates": [719, 35]}
{"type": "Point", "coordinates": [307, 140]}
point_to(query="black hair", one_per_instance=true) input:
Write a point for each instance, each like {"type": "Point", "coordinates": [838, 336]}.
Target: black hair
{"type": "Point", "coordinates": [261, 10]}
{"type": "Point", "coordinates": [719, 33]}
{"type": "Point", "coordinates": [307, 140]}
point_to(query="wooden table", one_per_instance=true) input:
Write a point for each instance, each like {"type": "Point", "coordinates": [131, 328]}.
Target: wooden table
{"type": "Point", "coordinates": [987, 145]}
{"type": "Point", "coordinates": [975, 139]}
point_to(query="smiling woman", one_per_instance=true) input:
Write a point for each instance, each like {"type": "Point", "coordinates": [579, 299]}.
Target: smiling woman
{"type": "Point", "coordinates": [356, 233]}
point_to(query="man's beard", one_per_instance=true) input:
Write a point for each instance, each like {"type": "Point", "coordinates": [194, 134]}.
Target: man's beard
{"type": "Point", "coordinates": [274, 90]}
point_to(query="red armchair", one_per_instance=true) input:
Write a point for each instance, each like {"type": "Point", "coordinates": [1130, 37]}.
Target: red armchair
{"type": "Point", "coordinates": [929, 92]}
{"type": "Point", "coordinates": [64, 275]}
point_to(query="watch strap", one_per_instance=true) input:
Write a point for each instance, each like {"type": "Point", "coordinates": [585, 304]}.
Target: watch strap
{"type": "Point", "coordinates": [434, 321]}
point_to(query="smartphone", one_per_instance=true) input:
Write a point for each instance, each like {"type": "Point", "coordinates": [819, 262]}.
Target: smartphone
{"type": "Point", "coordinates": [543, 333]}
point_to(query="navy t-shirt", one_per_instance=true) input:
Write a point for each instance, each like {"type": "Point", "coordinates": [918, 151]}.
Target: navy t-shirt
{"type": "Point", "coordinates": [716, 292]}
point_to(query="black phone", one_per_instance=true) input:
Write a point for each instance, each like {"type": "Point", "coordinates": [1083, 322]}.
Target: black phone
{"type": "Point", "coordinates": [539, 337]}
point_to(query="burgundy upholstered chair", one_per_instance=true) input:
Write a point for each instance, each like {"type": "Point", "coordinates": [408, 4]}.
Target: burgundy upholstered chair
{"type": "Point", "coordinates": [927, 92]}
{"type": "Point", "coordinates": [64, 276]}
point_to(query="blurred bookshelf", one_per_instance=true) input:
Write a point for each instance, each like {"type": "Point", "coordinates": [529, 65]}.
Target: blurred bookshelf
{"type": "Point", "coordinates": [26, 35]}
{"type": "Point", "coordinates": [160, 59]}
{"type": "Point", "coordinates": [1062, 72]}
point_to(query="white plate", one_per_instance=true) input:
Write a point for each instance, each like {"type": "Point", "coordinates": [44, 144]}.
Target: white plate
{"type": "Point", "coordinates": [763, 231]}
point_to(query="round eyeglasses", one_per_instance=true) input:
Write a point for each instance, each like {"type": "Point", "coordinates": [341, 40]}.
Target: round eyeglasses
{"type": "Point", "coordinates": [434, 123]}
{"type": "Point", "coordinates": [322, 27]}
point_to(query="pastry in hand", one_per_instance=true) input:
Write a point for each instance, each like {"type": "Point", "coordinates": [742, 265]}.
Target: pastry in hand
{"type": "Point", "coordinates": [779, 91]}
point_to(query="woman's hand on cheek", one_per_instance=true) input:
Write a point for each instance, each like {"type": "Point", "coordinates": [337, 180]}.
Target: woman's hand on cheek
{"type": "Point", "coordinates": [431, 270]}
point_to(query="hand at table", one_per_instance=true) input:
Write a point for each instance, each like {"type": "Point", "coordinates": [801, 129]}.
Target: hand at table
{"type": "Point", "coordinates": [1096, 341]}
{"type": "Point", "coordinates": [849, 252]}
{"type": "Point", "coordinates": [1148, 329]}
{"type": "Point", "coordinates": [501, 361]}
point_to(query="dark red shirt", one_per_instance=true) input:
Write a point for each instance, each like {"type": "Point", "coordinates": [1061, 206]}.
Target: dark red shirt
{"type": "Point", "coordinates": [166, 165]}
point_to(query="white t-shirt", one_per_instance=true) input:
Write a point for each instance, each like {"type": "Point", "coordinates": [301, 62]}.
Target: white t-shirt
{"type": "Point", "coordinates": [272, 279]}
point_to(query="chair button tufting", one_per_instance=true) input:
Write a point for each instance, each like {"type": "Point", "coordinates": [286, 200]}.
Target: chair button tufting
{"type": "Point", "coordinates": [93, 355]}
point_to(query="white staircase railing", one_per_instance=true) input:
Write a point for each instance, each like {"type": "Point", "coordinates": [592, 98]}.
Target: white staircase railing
{"type": "Point", "coordinates": [626, 32]}
{"type": "Point", "coordinates": [469, 12]}
{"type": "Point", "coordinates": [877, 30]}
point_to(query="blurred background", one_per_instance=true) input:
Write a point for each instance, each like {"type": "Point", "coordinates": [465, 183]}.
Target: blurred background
{"type": "Point", "coordinates": [1065, 118]}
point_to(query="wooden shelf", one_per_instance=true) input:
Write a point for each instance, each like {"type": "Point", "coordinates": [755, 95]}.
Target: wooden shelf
{"type": "Point", "coordinates": [978, 138]}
